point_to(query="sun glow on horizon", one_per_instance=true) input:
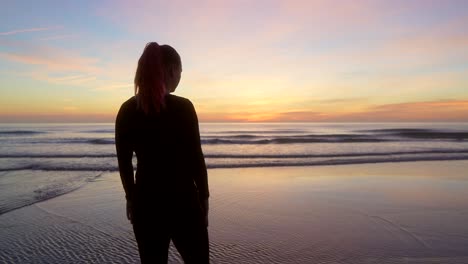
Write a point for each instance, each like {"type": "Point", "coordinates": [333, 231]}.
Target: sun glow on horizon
{"type": "Point", "coordinates": [295, 61]}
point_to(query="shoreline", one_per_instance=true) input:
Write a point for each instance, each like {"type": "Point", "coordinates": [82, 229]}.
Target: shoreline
{"type": "Point", "coordinates": [375, 160]}
{"type": "Point", "coordinates": [274, 166]}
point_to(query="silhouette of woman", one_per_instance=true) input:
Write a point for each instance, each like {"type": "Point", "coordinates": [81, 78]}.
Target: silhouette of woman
{"type": "Point", "coordinates": [168, 198]}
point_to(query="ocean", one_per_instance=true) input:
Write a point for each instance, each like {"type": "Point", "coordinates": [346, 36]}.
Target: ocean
{"type": "Point", "coordinates": [42, 161]}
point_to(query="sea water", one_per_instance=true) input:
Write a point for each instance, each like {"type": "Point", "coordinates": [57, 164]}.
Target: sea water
{"type": "Point", "coordinates": [42, 161]}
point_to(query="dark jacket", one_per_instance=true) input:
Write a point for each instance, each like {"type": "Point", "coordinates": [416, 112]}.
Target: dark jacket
{"type": "Point", "coordinates": [170, 164]}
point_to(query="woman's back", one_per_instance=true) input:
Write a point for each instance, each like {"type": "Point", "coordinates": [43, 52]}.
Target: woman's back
{"type": "Point", "coordinates": [170, 163]}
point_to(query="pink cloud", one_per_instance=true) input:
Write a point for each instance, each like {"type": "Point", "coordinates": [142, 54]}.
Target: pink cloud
{"type": "Point", "coordinates": [219, 24]}
{"type": "Point", "coordinates": [290, 35]}
{"type": "Point", "coordinates": [64, 66]}
{"type": "Point", "coordinates": [55, 60]}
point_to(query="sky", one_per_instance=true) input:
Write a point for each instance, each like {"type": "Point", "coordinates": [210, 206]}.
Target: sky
{"type": "Point", "coordinates": [243, 61]}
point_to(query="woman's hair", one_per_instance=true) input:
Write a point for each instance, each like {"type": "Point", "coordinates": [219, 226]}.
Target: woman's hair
{"type": "Point", "coordinates": [170, 57]}
{"type": "Point", "coordinates": [153, 69]}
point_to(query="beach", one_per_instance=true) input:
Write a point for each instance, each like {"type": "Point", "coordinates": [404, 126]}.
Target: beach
{"type": "Point", "coordinates": [403, 212]}
{"type": "Point", "coordinates": [332, 132]}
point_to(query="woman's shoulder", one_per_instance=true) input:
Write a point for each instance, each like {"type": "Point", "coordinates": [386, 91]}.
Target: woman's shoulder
{"type": "Point", "coordinates": [125, 113]}
{"type": "Point", "coordinates": [127, 107]}
{"type": "Point", "coordinates": [179, 101]}
{"type": "Point", "coordinates": [129, 103]}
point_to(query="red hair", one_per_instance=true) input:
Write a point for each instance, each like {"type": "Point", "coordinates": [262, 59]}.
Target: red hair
{"type": "Point", "coordinates": [150, 86]}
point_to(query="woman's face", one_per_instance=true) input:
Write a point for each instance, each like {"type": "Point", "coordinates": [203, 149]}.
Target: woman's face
{"type": "Point", "coordinates": [173, 79]}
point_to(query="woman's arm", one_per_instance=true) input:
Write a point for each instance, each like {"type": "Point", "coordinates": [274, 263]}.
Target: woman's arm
{"type": "Point", "coordinates": [200, 173]}
{"type": "Point", "coordinates": [124, 151]}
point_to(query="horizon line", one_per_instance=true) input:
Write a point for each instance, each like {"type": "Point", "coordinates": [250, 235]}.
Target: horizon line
{"type": "Point", "coordinates": [250, 122]}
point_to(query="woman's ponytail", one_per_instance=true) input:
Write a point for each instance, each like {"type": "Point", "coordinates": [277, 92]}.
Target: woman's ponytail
{"type": "Point", "coordinates": [150, 88]}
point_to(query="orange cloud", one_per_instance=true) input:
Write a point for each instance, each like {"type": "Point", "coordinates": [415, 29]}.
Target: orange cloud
{"type": "Point", "coordinates": [432, 111]}
{"type": "Point", "coordinates": [113, 87]}
{"type": "Point", "coordinates": [57, 117]}
{"type": "Point", "coordinates": [55, 61]}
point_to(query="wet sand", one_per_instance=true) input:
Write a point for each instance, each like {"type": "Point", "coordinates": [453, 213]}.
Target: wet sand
{"type": "Point", "coordinates": [413, 212]}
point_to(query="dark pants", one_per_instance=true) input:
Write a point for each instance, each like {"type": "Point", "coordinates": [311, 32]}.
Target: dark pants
{"type": "Point", "coordinates": [185, 226]}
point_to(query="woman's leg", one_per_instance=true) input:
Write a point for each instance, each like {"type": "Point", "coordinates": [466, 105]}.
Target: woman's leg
{"type": "Point", "coordinates": [152, 237]}
{"type": "Point", "coordinates": [190, 237]}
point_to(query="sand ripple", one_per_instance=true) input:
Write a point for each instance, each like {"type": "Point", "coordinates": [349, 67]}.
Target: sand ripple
{"type": "Point", "coordinates": [261, 216]}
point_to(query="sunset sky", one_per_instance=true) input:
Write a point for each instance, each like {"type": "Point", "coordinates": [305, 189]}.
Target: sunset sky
{"type": "Point", "coordinates": [256, 61]}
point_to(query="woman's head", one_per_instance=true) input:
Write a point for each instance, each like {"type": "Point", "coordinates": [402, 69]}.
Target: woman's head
{"type": "Point", "coordinates": [158, 72]}
{"type": "Point", "coordinates": [173, 65]}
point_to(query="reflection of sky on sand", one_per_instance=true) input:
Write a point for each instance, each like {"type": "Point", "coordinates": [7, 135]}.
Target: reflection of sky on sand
{"type": "Point", "coordinates": [371, 213]}
{"type": "Point", "coordinates": [365, 212]}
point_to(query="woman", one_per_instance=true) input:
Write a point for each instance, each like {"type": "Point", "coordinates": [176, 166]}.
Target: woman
{"type": "Point", "coordinates": [168, 198]}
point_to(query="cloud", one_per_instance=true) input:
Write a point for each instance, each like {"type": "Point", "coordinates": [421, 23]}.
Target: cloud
{"type": "Point", "coordinates": [49, 58]}
{"type": "Point", "coordinates": [306, 44]}
{"type": "Point", "coordinates": [427, 111]}
{"type": "Point", "coordinates": [56, 61]}
{"type": "Point", "coordinates": [68, 67]}
{"type": "Point", "coordinates": [57, 117]}
{"type": "Point", "coordinates": [224, 27]}
{"type": "Point", "coordinates": [246, 116]}
{"type": "Point", "coordinates": [430, 111]}
{"type": "Point", "coordinates": [66, 36]}
{"type": "Point", "coordinates": [118, 86]}
{"type": "Point", "coordinates": [70, 108]}
{"type": "Point", "coordinates": [17, 31]}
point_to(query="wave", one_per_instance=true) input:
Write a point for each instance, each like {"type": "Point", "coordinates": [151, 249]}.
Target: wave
{"type": "Point", "coordinates": [335, 162]}
{"type": "Point", "coordinates": [378, 135]}
{"type": "Point", "coordinates": [359, 159]}
{"type": "Point", "coordinates": [237, 140]}
{"type": "Point", "coordinates": [234, 136]}
{"type": "Point", "coordinates": [61, 167]}
{"type": "Point", "coordinates": [46, 191]}
{"type": "Point", "coordinates": [333, 155]}
{"type": "Point", "coordinates": [249, 156]}
{"type": "Point", "coordinates": [272, 131]}
{"type": "Point", "coordinates": [100, 131]}
{"type": "Point", "coordinates": [365, 136]}
{"type": "Point", "coordinates": [91, 141]}
{"type": "Point", "coordinates": [56, 155]}
{"type": "Point", "coordinates": [419, 133]}
{"type": "Point", "coordinates": [296, 139]}
{"type": "Point", "coordinates": [397, 130]}
{"type": "Point", "coordinates": [101, 141]}
{"type": "Point", "coordinates": [19, 132]}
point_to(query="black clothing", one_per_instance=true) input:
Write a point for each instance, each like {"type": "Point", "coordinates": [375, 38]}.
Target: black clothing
{"type": "Point", "coordinates": [186, 228]}
{"type": "Point", "coordinates": [170, 181]}
{"type": "Point", "coordinates": [167, 147]}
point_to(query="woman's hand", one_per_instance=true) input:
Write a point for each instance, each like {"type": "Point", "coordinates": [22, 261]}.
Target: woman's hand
{"type": "Point", "coordinates": [129, 212]}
